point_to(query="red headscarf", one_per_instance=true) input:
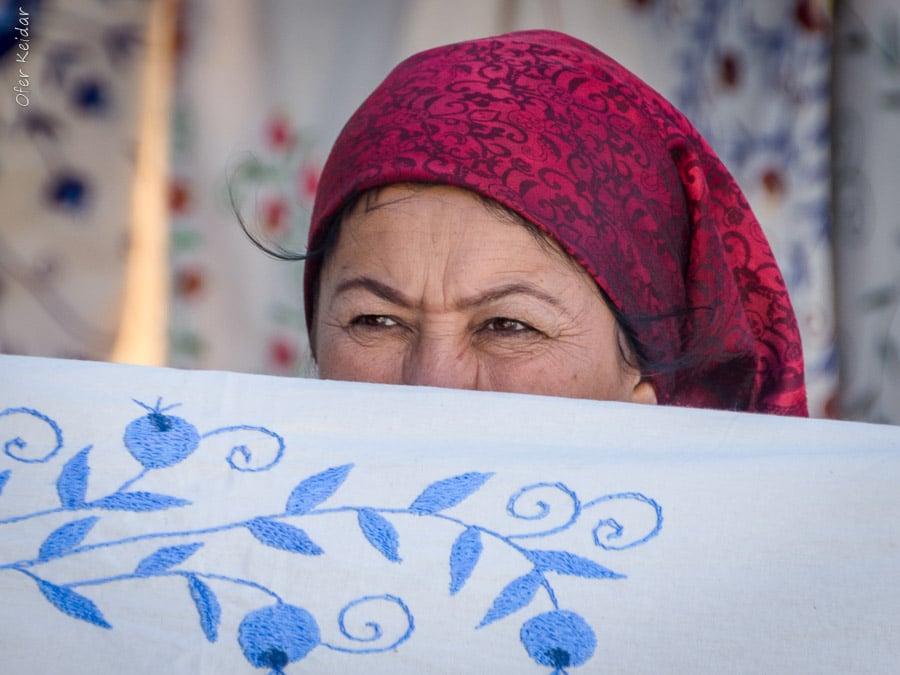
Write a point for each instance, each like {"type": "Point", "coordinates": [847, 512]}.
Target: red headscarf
{"type": "Point", "coordinates": [558, 132]}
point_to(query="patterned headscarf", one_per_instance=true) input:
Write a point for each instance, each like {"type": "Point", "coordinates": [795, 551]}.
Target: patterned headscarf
{"type": "Point", "coordinates": [561, 134]}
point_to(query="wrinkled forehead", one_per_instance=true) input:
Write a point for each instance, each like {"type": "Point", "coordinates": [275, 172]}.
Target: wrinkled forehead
{"type": "Point", "coordinates": [451, 205]}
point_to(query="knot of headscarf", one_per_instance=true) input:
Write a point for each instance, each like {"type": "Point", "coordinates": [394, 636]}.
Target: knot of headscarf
{"type": "Point", "coordinates": [563, 135]}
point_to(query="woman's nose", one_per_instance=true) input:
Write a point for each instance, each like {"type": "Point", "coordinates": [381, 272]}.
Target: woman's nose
{"type": "Point", "coordinates": [440, 362]}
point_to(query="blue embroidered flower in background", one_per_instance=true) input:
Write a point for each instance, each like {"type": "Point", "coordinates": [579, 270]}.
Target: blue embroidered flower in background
{"type": "Point", "coordinates": [68, 190]}
{"type": "Point", "coordinates": [276, 633]}
{"type": "Point", "coordinates": [91, 96]}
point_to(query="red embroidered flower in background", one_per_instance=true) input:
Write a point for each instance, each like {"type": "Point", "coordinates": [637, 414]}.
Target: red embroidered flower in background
{"type": "Point", "coordinates": [182, 34]}
{"type": "Point", "coordinates": [731, 69]}
{"type": "Point", "coordinates": [273, 216]}
{"type": "Point", "coordinates": [283, 354]}
{"type": "Point", "coordinates": [280, 133]}
{"type": "Point", "coordinates": [180, 197]}
{"type": "Point", "coordinates": [833, 407]}
{"type": "Point", "coordinates": [811, 15]}
{"type": "Point", "coordinates": [189, 282]}
{"type": "Point", "coordinates": [308, 181]}
{"type": "Point", "coordinates": [773, 182]}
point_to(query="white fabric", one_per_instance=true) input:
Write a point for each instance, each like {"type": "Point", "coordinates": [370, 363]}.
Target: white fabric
{"type": "Point", "coordinates": [776, 550]}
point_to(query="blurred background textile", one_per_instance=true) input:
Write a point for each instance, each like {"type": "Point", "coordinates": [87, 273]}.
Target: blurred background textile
{"type": "Point", "coordinates": [79, 81]}
{"type": "Point", "coordinates": [799, 97]}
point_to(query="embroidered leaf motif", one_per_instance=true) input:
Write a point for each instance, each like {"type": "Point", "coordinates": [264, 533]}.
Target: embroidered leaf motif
{"type": "Point", "coordinates": [463, 557]}
{"type": "Point", "coordinates": [380, 533]}
{"type": "Point", "coordinates": [71, 486]}
{"type": "Point", "coordinates": [281, 535]}
{"type": "Point", "coordinates": [207, 607]}
{"type": "Point", "coordinates": [564, 562]}
{"type": "Point", "coordinates": [66, 537]}
{"type": "Point", "coordinates": [516, 595]}
{"type": "Point", "coordinates": [316, 489]}
{"type": "Point", "coordinates": [449, 492]}
{"type": "Point", "coordinates": [164, 558]}
{"type": "Point", "coordinates": [138, 501]}
{"type": "Point", "coordinates": [4, 476]}
{"type": "Point", "coordinates": [74, 604]}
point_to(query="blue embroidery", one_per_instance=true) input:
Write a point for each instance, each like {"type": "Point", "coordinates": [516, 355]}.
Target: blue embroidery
{"type": "Point", "coordinates": [375, 628]}
{"type": "Point", "coordinates": [278, 633]}
{"type": "Point", "coordinates": [71, 486]}
{"type": "Point", "coordinates": [241, 458]}
{"type": "Point", "coordinates": [276, 534]}
{"type": "Point", "coordinates": [17, 448]}
{"type": "Point", "coordinates": [559, 639]}
{"type": "Point", "coordinates": [207, 607]}
{"type": "Point", "coordinates": [446, 493]}
{"type": "Point", "coordinates": [166, 557]}
{"type": "Point", "coordinates": [68, 601]}
{"type": "Point", "coordinates": [463, 557]}
{"type": "Point", "coordinates": [275, 636]}
{"type": "Point", "coordinates": [315, 490]}
{"type": "Point", "coordinates": [64, 539]}
{"type": "Point", "coordinates": [617, 529]}
{"type": "Point", "coordinates": [160, 440]}
{"type": "Point", "coordinates": [380, 533]}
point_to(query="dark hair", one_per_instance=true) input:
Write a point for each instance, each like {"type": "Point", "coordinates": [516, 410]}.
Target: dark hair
{"type": "Point", "coordinates": [275, 250]}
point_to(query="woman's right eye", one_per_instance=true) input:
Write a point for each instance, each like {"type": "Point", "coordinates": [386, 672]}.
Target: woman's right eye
{"type": "Point", "coordinates": [373, 321]}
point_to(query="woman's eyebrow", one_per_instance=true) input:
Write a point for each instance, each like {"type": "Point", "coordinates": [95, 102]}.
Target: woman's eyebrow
{"type": "Point", "coordinates": [395, 297]}
{"type": "Point", "coordinates": [374, 287]}
{"type": "Point", "coordinates": [515, 288]}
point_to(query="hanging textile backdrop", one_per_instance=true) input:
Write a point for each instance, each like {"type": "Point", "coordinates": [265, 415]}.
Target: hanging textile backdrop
{"type": "Point", "coordinates": [867, 201]}
{"type": "Point", "coordinates": [70, 77]}
{"type": "Point", "coordinates": [263, 89]}
{"type": "Point", "coordinates": [157, 520]}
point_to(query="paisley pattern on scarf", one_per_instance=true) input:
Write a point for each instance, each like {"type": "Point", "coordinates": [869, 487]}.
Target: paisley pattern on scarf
{"type": "Point", "coordinates": [558, 132]}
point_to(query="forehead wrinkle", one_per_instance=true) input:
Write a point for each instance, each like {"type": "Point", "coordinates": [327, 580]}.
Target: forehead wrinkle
{"type": "Point", "coordinates": [442, 282]}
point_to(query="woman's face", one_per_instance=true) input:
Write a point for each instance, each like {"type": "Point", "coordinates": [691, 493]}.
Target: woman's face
{"type": "Point", "coordinates": [429, 286]}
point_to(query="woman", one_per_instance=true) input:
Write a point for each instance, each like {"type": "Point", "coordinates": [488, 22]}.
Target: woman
{"type": "Point", "coordinates": [521, 213]}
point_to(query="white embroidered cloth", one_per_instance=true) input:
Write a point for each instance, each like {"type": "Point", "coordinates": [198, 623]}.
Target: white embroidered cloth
{"type": "Point", "coordinates": [156, 520]}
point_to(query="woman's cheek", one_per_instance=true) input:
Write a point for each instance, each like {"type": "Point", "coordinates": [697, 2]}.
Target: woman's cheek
{"type": "Point", "coordinates": [526, 373]}
{"type": "Point", "coordinates": [347, 359]}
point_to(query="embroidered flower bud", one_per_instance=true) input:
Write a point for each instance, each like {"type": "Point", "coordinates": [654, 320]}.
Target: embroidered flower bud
{"type": "Point", "coordinates": [158, 440]}
{"type": "Point", "coordinates": [275, 636]}
{"type": "Point", "coordinates": [558, 639]}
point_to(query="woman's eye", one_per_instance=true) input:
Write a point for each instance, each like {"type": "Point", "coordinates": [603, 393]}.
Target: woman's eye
{"type": "Point", "coordinates": [374, 321]}
{"type": "Point", "coordinates": [510, 326]}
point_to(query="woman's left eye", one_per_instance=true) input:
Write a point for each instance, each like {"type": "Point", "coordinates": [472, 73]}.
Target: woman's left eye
{"type": "Point", "coordinates": [511, 326]}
